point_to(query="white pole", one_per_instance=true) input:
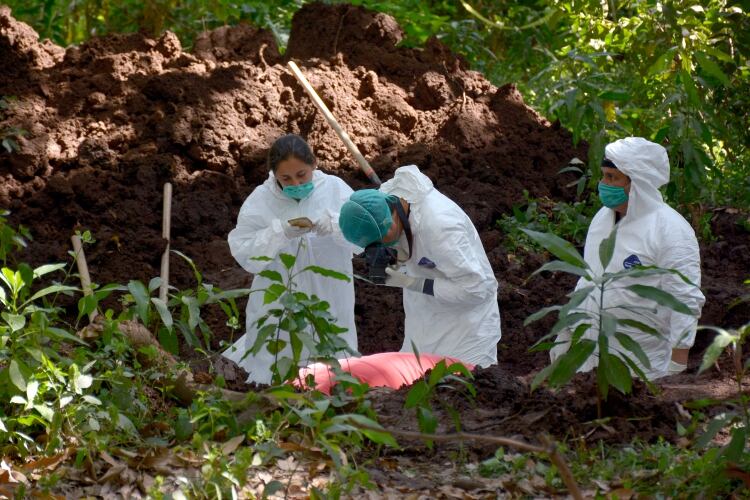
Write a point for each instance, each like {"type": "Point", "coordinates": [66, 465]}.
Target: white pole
{"type": "Point", "coordinates": [165, 233]}
{"type": "Point", "coordinates": [83, 270]}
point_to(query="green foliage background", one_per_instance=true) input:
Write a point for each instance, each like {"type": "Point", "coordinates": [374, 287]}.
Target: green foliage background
{"type": "Point", "coordinates": [676, 72]}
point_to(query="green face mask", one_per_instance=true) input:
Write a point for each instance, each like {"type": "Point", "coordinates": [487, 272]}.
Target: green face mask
{"type": "Point", "coordinates": [299, 192]}
{"type": "Point", "coordinates": [612, 196]}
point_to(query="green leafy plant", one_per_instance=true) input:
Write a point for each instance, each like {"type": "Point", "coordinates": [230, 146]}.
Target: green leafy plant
{"type": "Point", "coordinates": [181, 312]}
{"type": "Point", "coordinates": [306, 319]}
{"type": "Point", "coordinates": [423, 392]}
{"type": "Point", "coordinates": [614, 367]}
{"type": "Point", "coordinates": [737, 417]}
{"type": "Point", "coordinates": [570, 221]}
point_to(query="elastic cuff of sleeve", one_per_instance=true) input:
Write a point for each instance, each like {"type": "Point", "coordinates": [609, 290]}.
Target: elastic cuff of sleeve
{"type": "Point", "coordinates": [429, 287]}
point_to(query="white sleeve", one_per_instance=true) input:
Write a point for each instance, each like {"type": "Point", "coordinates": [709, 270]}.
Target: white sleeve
{"type": "Point", "coordinates": [257, 234]}
{"type": "Point", "coordinates": [682, 253]}
{"type": "Point", "coordinates": [465, 281]}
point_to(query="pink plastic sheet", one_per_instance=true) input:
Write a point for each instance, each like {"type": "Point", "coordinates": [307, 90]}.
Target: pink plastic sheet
{"type": "Point", "coordinates": [387, 369]}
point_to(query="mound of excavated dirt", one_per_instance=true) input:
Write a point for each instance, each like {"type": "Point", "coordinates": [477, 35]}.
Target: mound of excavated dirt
{"type": "Point", "coordinates": [109, 121]}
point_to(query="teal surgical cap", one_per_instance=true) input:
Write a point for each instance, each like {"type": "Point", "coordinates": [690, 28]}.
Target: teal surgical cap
{"type": "Point", "coordinates": [366, 217]}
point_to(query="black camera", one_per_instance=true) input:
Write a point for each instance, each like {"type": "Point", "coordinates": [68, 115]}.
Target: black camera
{"type": "Point", "coordinates": [377, 258]}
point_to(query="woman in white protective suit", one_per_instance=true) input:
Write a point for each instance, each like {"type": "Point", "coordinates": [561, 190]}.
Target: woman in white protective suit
{"type": "Point", "coordinates": [294, 189]}
{"type": "Point", "coordinates": [649, 233]}
{"type": "Point", "coordinates": [449, 289]}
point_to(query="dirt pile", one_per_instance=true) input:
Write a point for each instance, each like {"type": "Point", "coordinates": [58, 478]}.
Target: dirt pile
{"type": "Point", "coordinates": [108, 122]}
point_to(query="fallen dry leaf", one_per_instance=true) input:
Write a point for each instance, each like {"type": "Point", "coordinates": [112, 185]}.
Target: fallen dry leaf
{"type": "Point", "coordinates": [230, 446]}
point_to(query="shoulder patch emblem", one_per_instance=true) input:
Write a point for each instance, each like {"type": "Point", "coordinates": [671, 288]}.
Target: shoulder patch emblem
{"type": "Point", "coordinates": [425, 262]}
{"type": "Point", "coordinates": [631, 261]}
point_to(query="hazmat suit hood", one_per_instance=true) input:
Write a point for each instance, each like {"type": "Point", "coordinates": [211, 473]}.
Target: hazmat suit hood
{"type": "Point", "coordinates": [647, 165]}
{"type": "Point", "coordinates": [408, 183]}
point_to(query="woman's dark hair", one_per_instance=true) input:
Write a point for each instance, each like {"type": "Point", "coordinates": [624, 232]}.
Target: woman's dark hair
{"type": "Point", "coordinates": [289, 146]}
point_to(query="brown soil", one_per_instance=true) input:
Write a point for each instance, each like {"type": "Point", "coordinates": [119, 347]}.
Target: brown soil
{"type": "Point", "coordinates": [108, 122]}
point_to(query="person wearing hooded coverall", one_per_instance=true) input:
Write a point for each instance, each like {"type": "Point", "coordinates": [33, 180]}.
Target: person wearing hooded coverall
{"type": "Point", "coordinates": [649, 233]}
{"type": "Point", "coordinates": [293, 189]}
{"type": "Point", "coordinates": [449, 288]}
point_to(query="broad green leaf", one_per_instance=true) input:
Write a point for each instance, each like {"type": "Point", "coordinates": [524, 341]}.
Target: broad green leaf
{"type": "Point", "coordinates": [417, 394]}
{"type": "Point", "coordinates": [557, 247]}
{"type": "Point", "coordinates": [164, 314]}
{"type": "Point", "coordinates": [231, 294]}
{"type": "Point", "coordinates": [576, 298]}
{"type": "Point", "coordinates": [168, 340]}
{"type": "Point", "coordinates": [609, 324]}
{"type": "Point", "coordinates": [48, 268]}
{"type": "Point", "coordinates": [31, 390]}
{"type": "Point", "coordinates": [328, 273]}
{"type": "Point", "coordinates": [437, 373]}
{"type": "Point", "coordinates": [427, 420]}
{"type": "Point", "coordinates": [261, 258]}
{"type": "Point", "coordinates": [141, 297]}
{"type": "Point", "coordinates": [723, 339]}
{"type": "Point", "coordinates": [288, 260]}
{"type": "Point", "coordinates": [710, 67]}
{"type": "Point", "coordinates": [194, 313]}
{"type": "Point", "coordinates": [607, 248]}
{"type": "Point", "coordinates": [50, 289]}
{"type": "Point", "coordinates": [713, 427]}
{"type": "Point", "coordinates": [154, 284]}
{"type": "Point", "coordinates": [734, 450]}
{"type": "Point", "coordinates": [16, 322]}
{"type": "Point", "coordinates": [616, 372]}
{"type": "Point", "coordinates": [16, 376]}
{"type": "Point", "coordinates": [571, 361]}
{"type": "Point", "coordinates": [272, 487]}
{"type": "Point", "coordinates": [262, 336]}
{"type": "Point", "coordinates": [370, 428]}
{"type": "Point", "coordinates": [568, 320]}
{"type": "Point", "coordinates": [660, 297]}
{"type": "Point", "coordinates": [634, 347]}
{"type": "Point", "coordinates": [662, 63]}
{"type": "Point", "coordinates": [45, 411]}
{"type": "Point", "coordinates": [86, 305]}
{"type": "Point", "coordinates": [273, 292]}
{"type": "Point", "coordinates": [560, 266]}
{"type": "Point", "coordinates": [271, 275]}
{"type": "Point", "coordinates": [690, 88]}
{"type": "Point", "coordinates": [640, 326]}
{"type": "Point", "coordinates": [92, 400]}
{"type": "Point", "coordinates": [59, 333]}
{"type": "Point", "coordinates": [540, 314]}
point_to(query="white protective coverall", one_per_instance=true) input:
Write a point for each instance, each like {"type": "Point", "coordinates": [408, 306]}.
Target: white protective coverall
{"type": "Point", "coordinates": [260, 232]}
{"type": "Point", "coordinates": [651, 233]}
{"type": "Point", "coordinates": [462, 319]}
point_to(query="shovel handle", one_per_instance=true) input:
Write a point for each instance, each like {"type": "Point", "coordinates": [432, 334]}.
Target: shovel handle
{"type": "Point", "coordinates": [353, 149]}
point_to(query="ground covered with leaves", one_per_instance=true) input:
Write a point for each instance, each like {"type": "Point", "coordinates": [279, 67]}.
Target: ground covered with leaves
{"type": "Point", "coordinates": [107, 122]}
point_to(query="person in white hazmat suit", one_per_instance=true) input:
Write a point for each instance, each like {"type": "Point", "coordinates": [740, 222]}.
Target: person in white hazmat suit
{"type": "Point", "coordinates": [294, 189]}
{"type": "Point", "coordinates": [449, 289]}
{"type": "Point", "coordinates": [649, 233]}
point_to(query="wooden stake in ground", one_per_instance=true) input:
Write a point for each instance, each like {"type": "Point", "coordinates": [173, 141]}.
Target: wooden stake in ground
{"type": "Point", "coordinates": [83, 269]}
{"type": "Point", "coordinates": [353, 149]}
{"type": "Point", "coordinates": [165, 233]}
